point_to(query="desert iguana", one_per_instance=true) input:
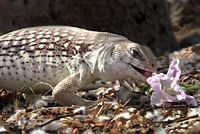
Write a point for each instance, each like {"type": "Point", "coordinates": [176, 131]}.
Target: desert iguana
{"type": "Point", "coordinates": [69, 59]}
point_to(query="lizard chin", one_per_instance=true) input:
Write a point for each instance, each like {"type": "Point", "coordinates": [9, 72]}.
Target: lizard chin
{"type": "Point", "coordinates": [142, 71]}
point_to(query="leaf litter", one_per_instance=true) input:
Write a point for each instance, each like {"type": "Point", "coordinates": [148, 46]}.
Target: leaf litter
{"type": "Point", "coordinates": [110, 115]}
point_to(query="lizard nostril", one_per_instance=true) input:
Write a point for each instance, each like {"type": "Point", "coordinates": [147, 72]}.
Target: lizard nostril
{"type": "Point", "coordinates": [152, 65]}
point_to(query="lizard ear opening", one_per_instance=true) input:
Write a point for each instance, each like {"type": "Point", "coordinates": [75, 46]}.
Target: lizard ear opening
{"type": "Point", "coordinates": [98, 57]}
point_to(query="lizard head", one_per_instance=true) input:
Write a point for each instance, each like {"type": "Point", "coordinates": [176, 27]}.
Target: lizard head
{"type": "Point", "coordinates": [134, 60]}
{"type": "Point", "coordinates": [118, 58]}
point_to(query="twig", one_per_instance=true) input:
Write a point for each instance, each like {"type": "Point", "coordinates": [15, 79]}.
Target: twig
{"type": "Point", "coordinates": [176, 120]}
{"type": "Point", "coordinates": [173, 106]}
{"type": "Point", "coordinates": [100, 110]}
{"type": "Point", "coordinates": [191, 72]}
{"type": "Point", "coordinates": [186, 118]}
{"type": "Point", "coordinates": [54, 119]}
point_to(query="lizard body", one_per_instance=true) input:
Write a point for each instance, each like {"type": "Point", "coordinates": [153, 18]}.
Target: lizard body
{"type": "Point", "coordinates": [70, 59]}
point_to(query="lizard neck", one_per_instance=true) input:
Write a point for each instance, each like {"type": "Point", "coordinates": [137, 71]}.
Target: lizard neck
{"type": "Point", "coordinates": [102, 64]}
{"type": "Point", "coordinates": [100, 58]}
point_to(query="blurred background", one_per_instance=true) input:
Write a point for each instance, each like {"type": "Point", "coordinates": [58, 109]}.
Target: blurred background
{"type": "Point", "coordinates": [163, 25]}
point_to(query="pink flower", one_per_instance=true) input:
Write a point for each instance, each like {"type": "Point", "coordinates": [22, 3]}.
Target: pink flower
{"type": "Point", "coordinates": [166, 88]}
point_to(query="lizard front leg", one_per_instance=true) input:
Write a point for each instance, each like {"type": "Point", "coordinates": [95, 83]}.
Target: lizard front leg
{"type": "Point", "coordinates": [64, 92]}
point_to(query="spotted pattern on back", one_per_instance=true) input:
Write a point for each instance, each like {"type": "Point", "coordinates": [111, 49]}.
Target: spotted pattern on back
{"type": "Point", "coordinates": [40, 53]}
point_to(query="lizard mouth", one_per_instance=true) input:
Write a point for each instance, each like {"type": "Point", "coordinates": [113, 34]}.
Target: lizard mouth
{"type": "Point", "coordinates": [142, 71]}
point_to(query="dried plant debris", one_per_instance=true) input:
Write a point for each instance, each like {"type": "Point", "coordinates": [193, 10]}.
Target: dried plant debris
{"type": "Point", "coordinates": [108, 116]}
{"type": "Point", "coordinates": [115, 113]}
{"type": "Point", "coordinates": [104, 117]}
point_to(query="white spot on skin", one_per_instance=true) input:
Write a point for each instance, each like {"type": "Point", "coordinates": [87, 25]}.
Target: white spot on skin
{"type": "Point", "coordinates": [41, 46]}
{"type": "Point", "coordinates": [51, 46]}
{"type": "Point", "coordinates": [22, 52]}
{"type": "Point", "coordinates": [91, 46]}
{"type": "Point", "coordinates": [24, 41]}
{"type": "Point", "coordinates": [82, 38]}
{"type": "Point", "coordinates": [80, 41]}
{"type": "Point", "coordinates": [42, 32]}
{"type": "Point", "coordinates": [14, 32]}
{"type": "Point", "coordinates": [55, 30]}
{"type": "Point", "coordinates": [32, 44]}
{"type": "Point", "coordinates": [47, 36]}
{"type": "Point", "coordinates": [3, 51]}
{"type": "Point", "coordinates": [73, 33]}
{"type": "Point", "coordinates": [92, 39]}
{"type": "Point", "coordinates": [18, 38]}
{"type": "Point", "coordinates": [39, 36]}
{"type": "Point", "coordinates": [30, 36]}
{"type": "Point", "coordinates": [50, 59]}
{"type": "Point", "coordinates": [64, 53]}
{"type": "Point", "coordinates": [57, 39]}
{"type": "Point", "coordinates": [32, 40]}
{"type": "Point", "coordinates": [64, 34]}
{"type": "Point", "coordinates": [70, 37]}
{"type": "Point", "coordinates": [25, 55]}
{"type": "Point", "coordinates": [56, 33]}
{"type": "Point", "coordinates": [77, 47]}
{"type": "Point", "coordinates": [44, 40]}
{"type": "Point", "coordinates": [9, 38]}
{"type": "Point", "coordinates": [45, 30]}
{"type": "Point", "coordinates": [22, 47]}
{"type": "Point", "coordinates": [21, 33]}
{"type": "Point", "coordinates": [37, 52]}
{"type": "Point", "coordinates": [31, 32]}
{"type": "Point", "coordinates": [49, 32]}
{"type": "Point", "coordinates": [66, 44]}
{"type": "Point", "coordinates": [83, 34]}
{"type": "Point", "coordinates": [12, 49]}
{"type": "Point", "coordinates": [32, 47]}
{"type": "Point", "coordinates": [50, 53]}
{"type": "Point", "coordinates": [6, 43]}
{"type": "Point", "coordinates": [15, 42]}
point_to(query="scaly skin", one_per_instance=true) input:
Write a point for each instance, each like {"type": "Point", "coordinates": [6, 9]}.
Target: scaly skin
{"type": "Point", "coordinates": [70, 59]}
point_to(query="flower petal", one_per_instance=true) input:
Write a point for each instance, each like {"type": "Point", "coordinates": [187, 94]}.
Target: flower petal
{"type": "Point", "coordinates": [166, 88]}
{"type": "Point", "coordinates": [159, 97]}
{"type": "Point", "coordinates": [191, 101]}
{"type": "Point", "coordinates": [179, 91]}
{"type": "Point", "coordinates": [174, 71]}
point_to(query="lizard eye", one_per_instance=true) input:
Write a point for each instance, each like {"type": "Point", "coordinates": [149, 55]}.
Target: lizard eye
{"type": "Point", "coordinates": [135, 52]}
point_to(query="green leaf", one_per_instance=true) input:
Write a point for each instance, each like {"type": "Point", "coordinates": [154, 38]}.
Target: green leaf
{"type": "Point", "coordinates": [145, 87]}
{"type": "Point", "coordinates": [188, 87]}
